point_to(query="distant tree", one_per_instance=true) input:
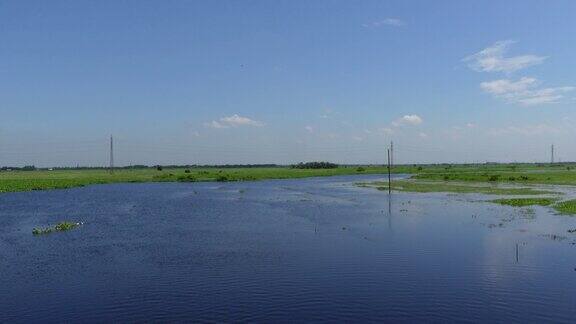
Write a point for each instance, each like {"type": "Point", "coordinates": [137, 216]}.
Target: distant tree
{"type": "Point", "coordinates": [314, 165]}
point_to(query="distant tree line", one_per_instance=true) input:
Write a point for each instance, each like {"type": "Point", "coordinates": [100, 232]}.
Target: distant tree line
{"type": "Point", "coordinates": [314, 165]}
{"type": "Point", "coordinates": [24, 168]}
{"type": "Point", "coordinates": [142, 166]}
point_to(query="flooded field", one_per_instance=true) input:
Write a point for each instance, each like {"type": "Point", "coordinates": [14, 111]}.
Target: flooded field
{"type": "Point", "coordinates": [285, 250]}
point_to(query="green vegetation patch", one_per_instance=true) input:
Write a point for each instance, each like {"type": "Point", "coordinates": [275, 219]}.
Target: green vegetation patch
{"type": "Point", "coordinates": [13, 181]}
{"type": "Point", "coordinates": [567, 207]}
{"type": "Point", "coordinates": [522, 202]}
{"type": "Point", "coordinates": [60, 227]}
{"type": "Point", "coordinates": [560, 174]}
{"type": "Point", "coordinates": [418, 186]}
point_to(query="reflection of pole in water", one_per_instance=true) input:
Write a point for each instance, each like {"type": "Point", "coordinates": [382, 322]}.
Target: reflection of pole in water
{"type": "Point", "coordinates": [516, 252]}
{"type": "Point", "coordinates": [390, 212]}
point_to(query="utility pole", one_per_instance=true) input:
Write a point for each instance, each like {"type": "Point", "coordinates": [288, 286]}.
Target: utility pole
{"type": "Point", "coordinates": [552, 154]}
{"type": "Point", "coordinates": [111, 154]}
{"type": "Point", "coordinates": [391, 153]}
{"type": "Point", "coordinates": [389, 177]}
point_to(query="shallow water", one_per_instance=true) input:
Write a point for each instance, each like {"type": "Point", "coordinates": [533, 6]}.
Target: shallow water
{"type": "Point", "coordinates": [285, 250]}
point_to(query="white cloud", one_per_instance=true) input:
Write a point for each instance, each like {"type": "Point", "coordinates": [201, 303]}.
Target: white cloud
{"type": "Point", "coordinates": [491, 59]}
{"type": "Point", "coordinates": [387, 130]}
{"type": "Point", "coordinates": [358, 138]}
{"type": "Point", "coordinates": [394, 22]}
{"type": "Point", "coordinates": [236, 120]}
{"type": "Point", "coordinates": [233, 121]}
{"type": "Point", "coordinates": [423, 135]}
{"type": "Point", "coordinates": [471, 125]}
{"type": "Point", "coordinates": [309, 129]}
{"type": "Point", "coordinates": [504, 86]}
{"type": "Point", "coordinates": [413, 120]}
{"type": "Point", "coordinates": [524, 91]}
{"type": "Point", "coordinates": [215, 124]}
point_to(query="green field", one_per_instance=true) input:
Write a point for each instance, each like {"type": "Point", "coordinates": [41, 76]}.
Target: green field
{"type": "Point", "coordinates": [437, 176]}
{"type": "Point", "coordinates": [560, 174]}
{"type": "Point", "coordinates": [11, 181]}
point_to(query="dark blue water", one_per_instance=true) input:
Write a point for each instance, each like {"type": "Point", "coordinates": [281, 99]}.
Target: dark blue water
{"type": "Point", "coordinates": [279, 251]}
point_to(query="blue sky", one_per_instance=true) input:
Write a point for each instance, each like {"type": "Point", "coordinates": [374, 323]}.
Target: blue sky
{"type": "Point", "coordinates": [286, 81]}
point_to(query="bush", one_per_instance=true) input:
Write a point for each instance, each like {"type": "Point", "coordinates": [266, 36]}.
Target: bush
{"type": "Point", "coordinates": [188, 178]}
{"type": "Point", "coordinates": [360, 169]}
{"type": "Point", "coordinates": [186, 171]}
{"type": "Point", "coordinates": [494, 177]}
{"type": "Point", "coordinates": [222, 178]}
{"type": "Point", "coordinates": [159, 167]}
{"type": "Point", "coordinates": [314, 165]}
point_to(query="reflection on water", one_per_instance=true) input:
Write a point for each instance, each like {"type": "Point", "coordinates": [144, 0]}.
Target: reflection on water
{"type": "Point", "coordinates": [298, 250]}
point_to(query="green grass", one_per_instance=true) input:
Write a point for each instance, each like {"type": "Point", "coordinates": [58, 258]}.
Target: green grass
{"type": "Point", "coordinates": [13, 181]}
{"type": "Point", "coordinates": [567, 207]}
{"type": "Point", "coordinates": [563, 174]}
{"type": "Point", "coordinates": [60, 227]}
{"type": "Point", "coordinates": [522, 202]}
{"type": "Point", "coordinates": [420, 186]}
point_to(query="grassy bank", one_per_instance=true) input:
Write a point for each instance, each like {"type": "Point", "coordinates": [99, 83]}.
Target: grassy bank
{"type": "Point", "coordinates": [523, 202]}
{"type": "Point", "coordinates": [421, 186]}
{"type": "Point", "coordinates": [12, 181]}
{"type": "Point", "coordinates": [560, 174]}
{"type": "Point", "coordinates": [567, 207]}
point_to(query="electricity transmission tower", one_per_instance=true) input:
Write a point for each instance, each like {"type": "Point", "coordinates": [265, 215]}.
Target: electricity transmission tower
{"type": "Point", "coordinates": [552, 154]}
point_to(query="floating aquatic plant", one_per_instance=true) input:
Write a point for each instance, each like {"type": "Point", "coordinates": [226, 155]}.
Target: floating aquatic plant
{"type": "Point", "coordinates": [60, 227]}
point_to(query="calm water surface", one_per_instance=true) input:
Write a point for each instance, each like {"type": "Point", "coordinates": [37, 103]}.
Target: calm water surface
{"type": "Point", "coordinates": [316, 249]}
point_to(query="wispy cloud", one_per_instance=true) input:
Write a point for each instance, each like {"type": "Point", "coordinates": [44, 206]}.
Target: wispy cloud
{"type": "Point", "coordinates": [394, 22]}
{"type": "Point", "coordinates": [413, 120]}
{"type": "Point", "coordinates": [215, 124]}
{"type": "Point", "coordinates": [525, 91]}
{"type": "Point", "coordinates": [527, 130]}
{"type": "Point", "coordinates": [492, 59]}
{"type": "Point", "coordinates": [309, 129]}
{"type": "Point", "coordinates": [387, 130]}
{"type": "Point", "coordinates": [233, 121]}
